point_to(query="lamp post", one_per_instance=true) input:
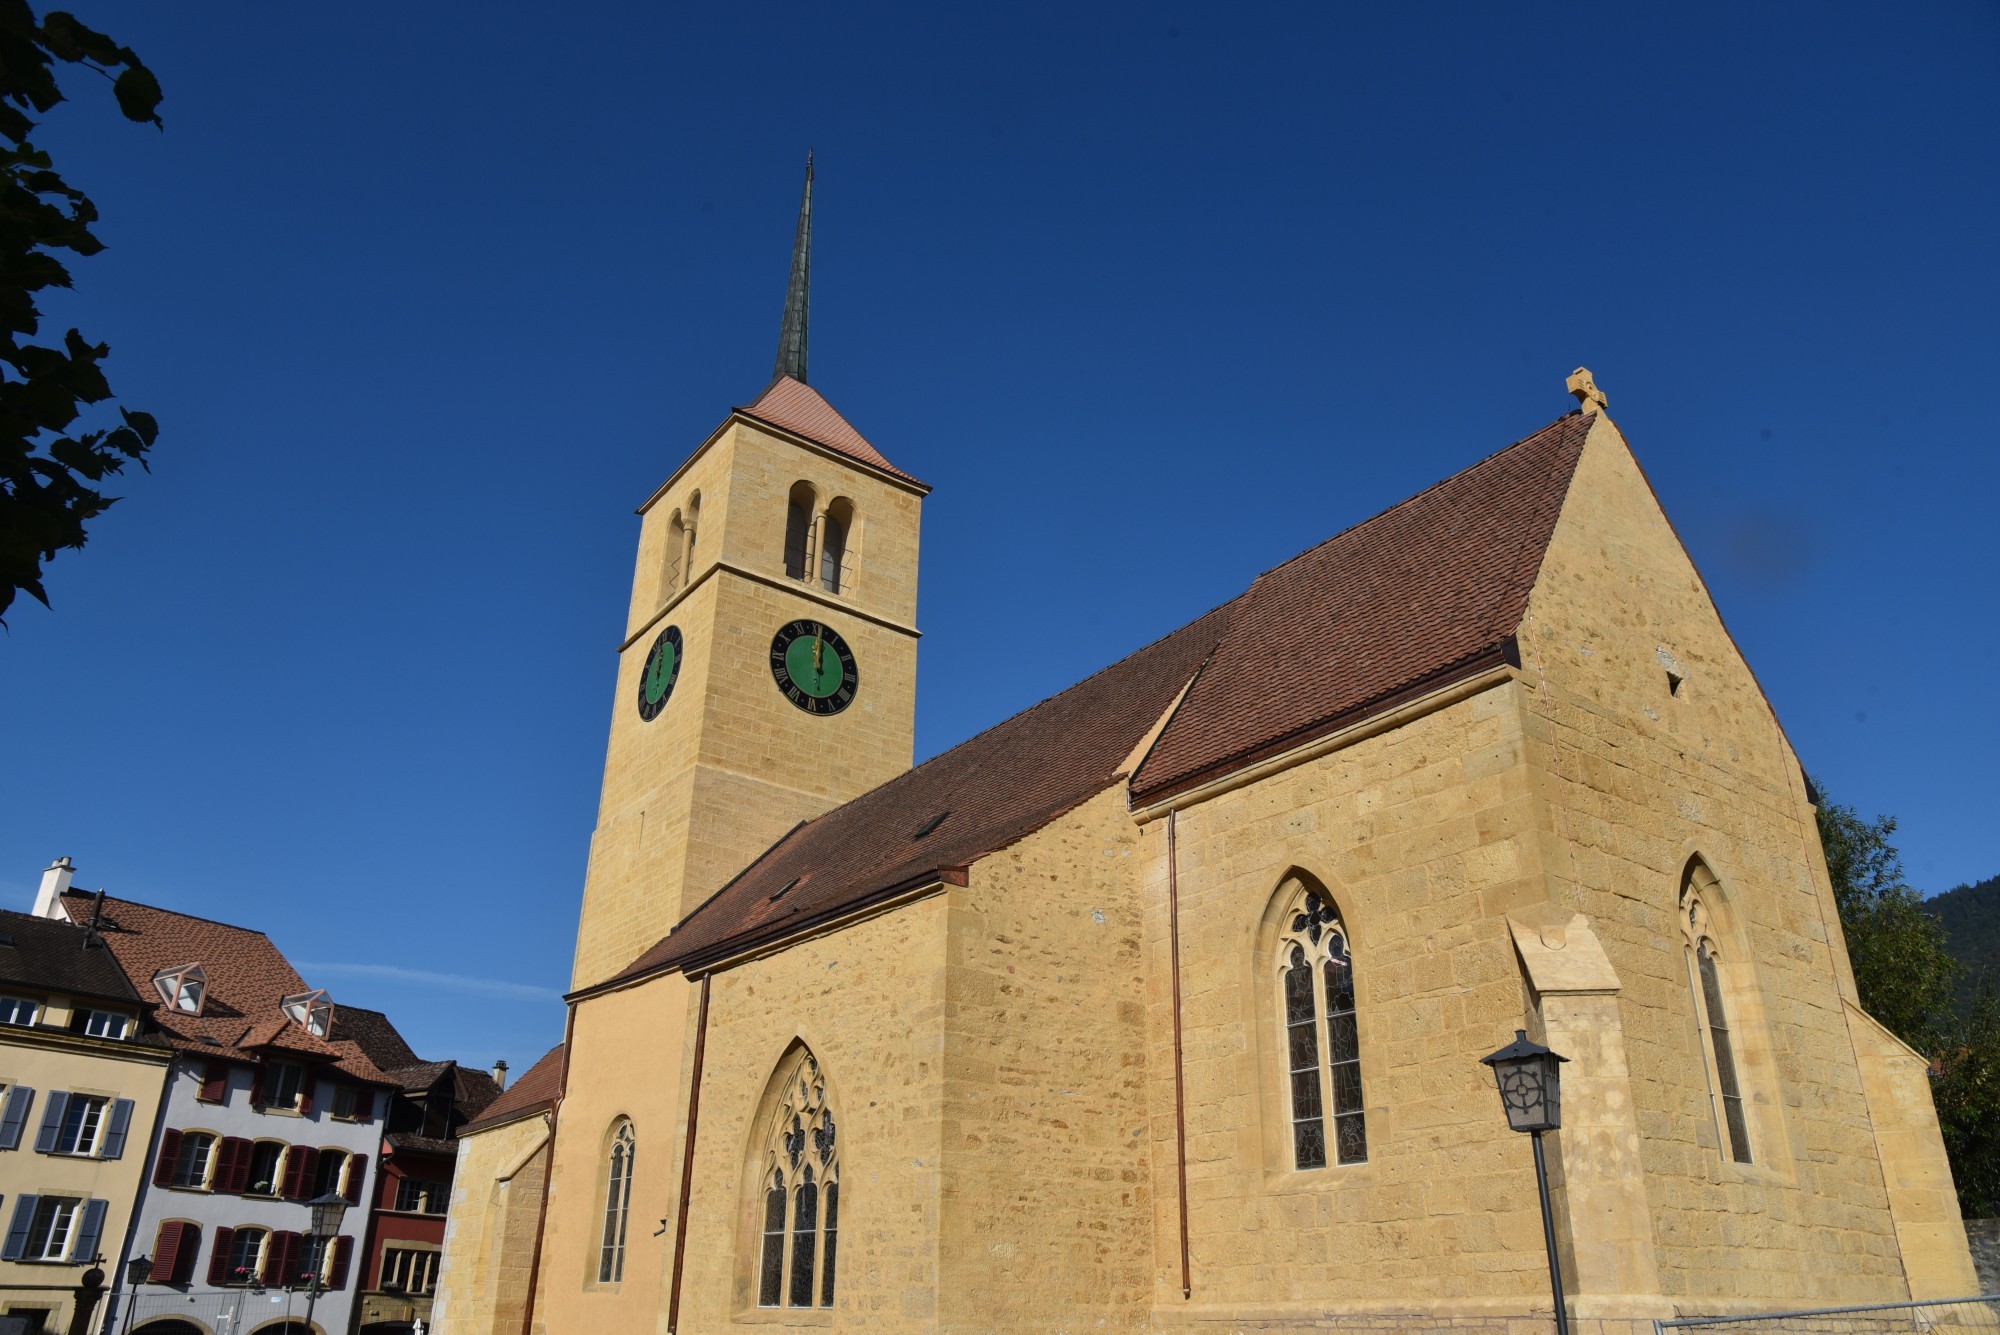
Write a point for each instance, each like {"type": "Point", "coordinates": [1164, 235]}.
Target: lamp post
{"type": "Point", "coordinates": [1530, 1081]}
{"type": "Point", "coordinates": [326, 1215]}
{"type": "Point", "coordinates": [136, 1271]}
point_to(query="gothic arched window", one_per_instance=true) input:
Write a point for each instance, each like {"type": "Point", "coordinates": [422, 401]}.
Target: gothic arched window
{"type": "Point", "coordinates": [670, 560]}
{"type": "Point", "coordinates": [798, 531]}
{"type": "Point", "coordinates": [1322, 1041]}
{"type": "Point", "coordinates": [1705, 979]}
{"type": "Point", "coordinates": [833, 533]}
{"type": "Point", "coordinates": [799, 1163]}
{"type": "Point", "coordinates": [617, 1205]}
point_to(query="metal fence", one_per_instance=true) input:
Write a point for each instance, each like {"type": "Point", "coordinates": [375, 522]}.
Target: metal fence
{"type": "Point", "coordinates": [1973, 1316]}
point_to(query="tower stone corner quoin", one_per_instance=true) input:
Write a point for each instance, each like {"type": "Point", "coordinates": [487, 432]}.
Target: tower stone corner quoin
{"type": "Point", "coordinates": [1161, 1003]}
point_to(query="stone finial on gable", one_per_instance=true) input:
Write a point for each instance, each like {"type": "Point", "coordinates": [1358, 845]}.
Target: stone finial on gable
{"type": "Point", "coordinates": [1588, 396]}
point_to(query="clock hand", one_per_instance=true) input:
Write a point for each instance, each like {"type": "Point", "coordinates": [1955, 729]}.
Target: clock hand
{"type": "Point", "coordinates": [819, 647]}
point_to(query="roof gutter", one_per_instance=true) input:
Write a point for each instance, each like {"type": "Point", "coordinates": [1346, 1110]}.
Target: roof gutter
{"type": "Point", "coordinates": [1480, 673]}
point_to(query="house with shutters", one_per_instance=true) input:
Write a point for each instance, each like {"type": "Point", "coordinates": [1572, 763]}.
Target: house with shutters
{"type": "Point", "coordinates": [269, 1103]}
{"type": "Point", "coordinates": [79, 1088]}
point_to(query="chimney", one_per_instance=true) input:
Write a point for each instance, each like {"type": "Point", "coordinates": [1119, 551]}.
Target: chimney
{"type": "Point", "coordinates": [500, 1074]}
{"type": "Point", "coordinates": [55, 880]}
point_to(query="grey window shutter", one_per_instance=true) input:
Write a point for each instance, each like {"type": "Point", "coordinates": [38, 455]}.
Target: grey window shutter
{"type": "Point", "coordinates": [15, 1116]}
{"type": "Point", "coordinates": [17, 1231]}
{"type": "Point", "coordinates": [114, 1130]}
{"type": "Point", "coordinates": [52, 1115]}
{"type": "Point", "coordinates": [92, 1232]}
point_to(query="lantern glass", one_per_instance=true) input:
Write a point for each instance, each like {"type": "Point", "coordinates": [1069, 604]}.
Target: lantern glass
{"type": "Point", "coordinates": [138, 1269]}
{"type": "Point", "coordinates": [1530, 1082]}
{"type": "Point", "coordinates": [327, 1211]}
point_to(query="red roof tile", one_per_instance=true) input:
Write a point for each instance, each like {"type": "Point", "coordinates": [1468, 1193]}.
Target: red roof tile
{"type": "Point", "coordinates": [247, 978]}
{"type": "Point", "coordinates": [534, 1091]}
{"type": "Point", "coordinates": [1396, 602]}
{"type": "Point", "coordinates": [797, 407]}
{"type": "Point", "coordinates": [1404, 601]}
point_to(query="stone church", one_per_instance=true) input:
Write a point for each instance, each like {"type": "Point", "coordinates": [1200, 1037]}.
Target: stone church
{"type": "Point", "coordinates": [1160, 1005]}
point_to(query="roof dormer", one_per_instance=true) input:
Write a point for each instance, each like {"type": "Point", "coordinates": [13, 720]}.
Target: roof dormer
{"type": "Point", "coordinates": [311, 1011]}
{"type": "Point", "coordinates": [184, 989]}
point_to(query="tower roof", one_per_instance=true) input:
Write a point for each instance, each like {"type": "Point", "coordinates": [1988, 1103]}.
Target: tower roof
{"type": "Point", "coordinates": [794, 406]}
{"type": "Point", "coordinates": [798, 292]}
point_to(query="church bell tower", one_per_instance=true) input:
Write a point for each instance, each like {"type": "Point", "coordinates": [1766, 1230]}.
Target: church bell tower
{"type": "Point", "coordinates": [767, 671]}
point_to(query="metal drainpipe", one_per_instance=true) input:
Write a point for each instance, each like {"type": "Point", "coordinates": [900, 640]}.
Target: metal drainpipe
{"type": "Point", "coordinates": [1180, 1081]}
{"type": "Point", "coordinates": [687, 1160]}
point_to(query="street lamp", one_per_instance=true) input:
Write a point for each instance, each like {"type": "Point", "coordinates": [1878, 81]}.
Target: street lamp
{"type": "Point", "coordinates": [1530, 1081]}
{"type": "Point", "coordinates": [136, 1271]}
{"type": "Point", "coordinates": [326, 1215]}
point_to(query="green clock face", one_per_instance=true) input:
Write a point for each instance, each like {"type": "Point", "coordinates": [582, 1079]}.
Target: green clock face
{"type": "Point", "coordinates": [662, 670]}
{"type": "Point", "coordinates": [814, 667]}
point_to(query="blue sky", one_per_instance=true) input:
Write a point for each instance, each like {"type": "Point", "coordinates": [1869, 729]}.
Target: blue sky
{"type": "Point", "coordinates": [427, 298]}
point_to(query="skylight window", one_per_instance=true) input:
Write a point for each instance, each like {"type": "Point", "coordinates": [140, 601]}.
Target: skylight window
{"type": "Point", "coordinates": [930, 824]}
{"type": "Point", "coordinates": [184, 989]}
{"type": "Point", "coordinates": [785, 889]}
{"type": "Point", "coordinates": [311, 1011]}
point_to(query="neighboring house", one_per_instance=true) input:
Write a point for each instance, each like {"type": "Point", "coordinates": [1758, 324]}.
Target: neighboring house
{"type": "Point", "coordinates": [270, 1103]}
{"type": "Point", "coordinates": [502, 1169]}
{"type": "Point", "coordinates": [399, 1259]}
{"type": "Point", "coordinates": [79, 1091]}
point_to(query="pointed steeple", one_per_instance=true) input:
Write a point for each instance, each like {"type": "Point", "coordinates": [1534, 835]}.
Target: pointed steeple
{"type": "Point", "coordinates": [798, 300]}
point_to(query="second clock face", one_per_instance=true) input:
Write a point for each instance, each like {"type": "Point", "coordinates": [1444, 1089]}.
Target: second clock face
{"type": "Point", "coordinates": [814, 667]}
{"type": "Point", "coordinates": [662, 670]}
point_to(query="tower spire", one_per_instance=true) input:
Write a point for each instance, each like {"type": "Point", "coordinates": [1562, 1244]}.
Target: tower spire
{"type": "Point", "coordinates": [798, 300]}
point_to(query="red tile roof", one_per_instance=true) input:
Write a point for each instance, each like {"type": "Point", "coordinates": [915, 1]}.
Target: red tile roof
{"type": "Point", "coordinates": [534, 1092]}
{"type": "Point", "coordinates": [797, 407]}
{"type": "Point", "coordinates": [1425, 591]}
{"type": "Point", "coordinates": [1397, 602]}
{"type": "Point", "coordinates": [247, 978]}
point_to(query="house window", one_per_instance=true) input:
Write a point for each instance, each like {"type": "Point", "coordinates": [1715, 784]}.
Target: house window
{"type": "Point", "coordinates": [617, 1205]}
{"type": "Point", "coordinates": [346, 1102]}
{"type": "Point", "coordinates": [1706, 983]}
{"type": "Point", "coordinates": [191, 1163]}
{"type": "Point", "coordinates": [82, 1124]}
{"type": "Point", "coordinates": [282, 1083]}
{"type": "Point", "coordinates": [246, 1255]}
{"type": "Point", "coordinates": [799, 1169]}
{"type": "Point", "coordinates": [1322, 1038]}
{"type": "Point", "coordinates": [798, 531]}
{"type": "Point", "coordinates": [100, 1024]}
{"type": "Point", "coordinates": [834, 574]}
{"type": "Point", "coordinates": [184, 989]}
{"type": "Point", "coordinates": [408, 1271]}
{"type": "Point", "coordinates": [327, 1172]}
{"type": "Point", "coordinates": [18, 1010]}
{"type": "Point", "coordinates": [262, 1178]}
{"type": "Point", "coordinates": [419, 1195]}
{"type": "Point", "coordinates": [51, 1229]}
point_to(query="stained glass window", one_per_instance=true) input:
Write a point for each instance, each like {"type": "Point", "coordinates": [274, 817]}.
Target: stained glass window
{"type": "Point", "coordinates": [1322, 1034]}
{"type": "Point", "coordinates": [800, 1167]}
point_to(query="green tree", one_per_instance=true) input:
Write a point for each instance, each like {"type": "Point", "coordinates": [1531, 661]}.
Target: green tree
{"type": "Point", "coordinates": [49, 468]}
{"type": "Point", "coordinates": [1907, 979]}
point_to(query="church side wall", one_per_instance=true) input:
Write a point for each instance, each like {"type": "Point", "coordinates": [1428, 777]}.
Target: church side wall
{"type": "Point", "coordinates": [1425, 838]}
{"type": "Point", "coordinates": [1637, 778]}
{"type": "Point", "coordinates": [626, 1063]}
{"type": "Point", "coordinates": [868, 1002]}
{"type": "Point", "coordinates": [1046, 1128]}
{"type": "Point", "coordinates": [489, 1240]}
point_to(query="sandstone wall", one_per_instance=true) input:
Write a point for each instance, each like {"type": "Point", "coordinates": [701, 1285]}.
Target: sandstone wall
{"type": "Point", "coordinates": [489, 1239]}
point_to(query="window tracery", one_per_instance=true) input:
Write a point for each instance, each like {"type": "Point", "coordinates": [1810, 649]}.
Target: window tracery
{"type": "Point", "coordinates": [800, 1182]}
{"type": "Point", "coordinates": [1698, 935]}
{"type": "Point", "coordinates": [1322, 1042]}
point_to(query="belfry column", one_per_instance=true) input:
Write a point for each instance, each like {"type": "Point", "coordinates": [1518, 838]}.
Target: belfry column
{"type": "Point", "coordinates": [1613, 1264]}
